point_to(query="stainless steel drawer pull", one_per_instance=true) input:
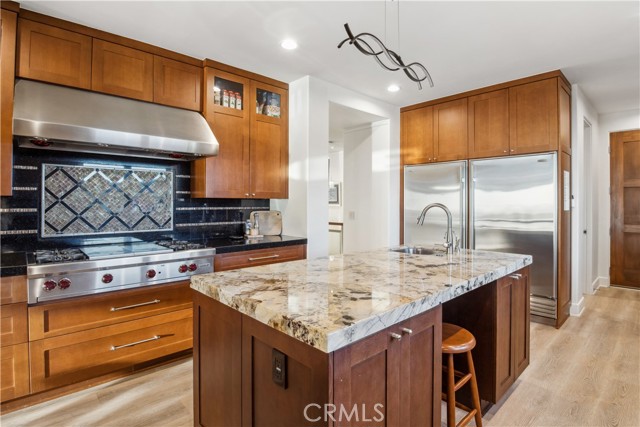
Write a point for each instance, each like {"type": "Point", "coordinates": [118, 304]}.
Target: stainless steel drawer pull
{"type": "Point", "coordinates": [126, 307]}
{"type": "Point", "coordinates": [395, 336]}
{"type": "Point", "coordinates": [258, 258]}
{"type": "Point", "coordinates": [516, 276]}
{"type": "Point", "coordinates": [407, 331]}
{"type": "Point", "coordinates": [153, 338]}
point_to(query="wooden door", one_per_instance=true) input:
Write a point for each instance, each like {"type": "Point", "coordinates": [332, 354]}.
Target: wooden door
{"type": "Point", "coordinates": [417, 136]}
{"type": "Point", "coordinates": [521, 321]}
{"type": "Point", "coordinates": [227, 174]}
{"type": "Point", "coordinates": [505, 369]}
{"type": "Point", "coordinates": [122, 71]}
{"type": "Point", "coordinates": [533, 117]}
{"type": "Point", "coordinates": [421, 367]}
{"type": "Point", "coordinates": [177, 84]}
{"type": "Point", "coordinates": [489, 124]}
{"type": "Point", "coordinates": [625, 208]}
{"type": "Point", "coordinates": [53, 55]}
{"type": "Point", "coordinates": [450, 131]}
{"type": "Point", "coordinates": [7, 77]}
{"type": "Point", "coordinates": [269, 152]}
{"type": "Point", "coordinates": [367, 374]}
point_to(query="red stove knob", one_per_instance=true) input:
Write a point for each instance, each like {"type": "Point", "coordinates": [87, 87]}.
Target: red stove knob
{"type": "Point", "coordinates": [107, 278]}
{"type": "Point", "coordinates": [151, 274]}
{"type": "Point", "coordinates": [64, 283]}
{"type": "Point", "coordinates": [183, 268]}
{"type": "Point", "coordinates": [193, 266]}
{"type": "Point", "coordinates": [49, 285]}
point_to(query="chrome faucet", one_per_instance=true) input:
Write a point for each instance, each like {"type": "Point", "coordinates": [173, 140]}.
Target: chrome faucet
{"type": "Point", "coordinates": [452, 243]}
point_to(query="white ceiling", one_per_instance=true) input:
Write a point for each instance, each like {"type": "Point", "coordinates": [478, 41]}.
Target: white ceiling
{"type": "Point", "coordinates": [343, 118]}
{"type": "Point", "coordinates": [464, 45]}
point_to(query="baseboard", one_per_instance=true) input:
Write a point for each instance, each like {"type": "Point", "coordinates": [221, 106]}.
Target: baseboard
{"type": "Point", "coordinates": [577, 308]}
{"type": "Point", "coordinates": [601, 282]}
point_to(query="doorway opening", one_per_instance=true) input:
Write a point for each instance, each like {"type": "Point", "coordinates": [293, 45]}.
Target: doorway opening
{"type": "Point", "coordinates": [588, 273]}
{"type": "Point", "coordinates": [359, 168]}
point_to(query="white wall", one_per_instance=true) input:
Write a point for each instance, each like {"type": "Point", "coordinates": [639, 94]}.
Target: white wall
{"type": "Point", "coordinates": [614, 122]}
{"type": "Point", "coordinates": [309, 108]}
{"type": "Point", "coordinates": [582, 110]}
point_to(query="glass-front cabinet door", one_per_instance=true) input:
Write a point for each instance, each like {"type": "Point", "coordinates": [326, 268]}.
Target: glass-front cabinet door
{"type": "Point", "coordinates": [269, 152]}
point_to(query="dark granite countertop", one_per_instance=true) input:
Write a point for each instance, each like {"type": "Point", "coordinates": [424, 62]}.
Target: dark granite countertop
{"type": "Point", "coordinates": [14, 263]}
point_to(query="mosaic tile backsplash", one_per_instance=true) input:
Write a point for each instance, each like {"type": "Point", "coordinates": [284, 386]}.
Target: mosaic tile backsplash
{"type": "Point", "coordinates": [21, 214]}
{"type": "Point", "coordinates": [81, 200]}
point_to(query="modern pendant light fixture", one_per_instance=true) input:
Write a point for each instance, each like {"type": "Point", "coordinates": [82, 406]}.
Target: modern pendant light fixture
{"type": "Point", "coordinates": [387, 58]}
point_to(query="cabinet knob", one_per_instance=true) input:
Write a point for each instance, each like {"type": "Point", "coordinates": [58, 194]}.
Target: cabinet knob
{"type": "Point", "coordinates": [516, 276]}
{"type": "Point", "coordinates": [253, 194]}
{"type": "Point", "coordinates": [395, 336]}
{"type": "Point", "coordinates": [512, 150]}
{"type": "Point", "coordinates": [407, 331]}
{"type": "Point", "coordinates": [246, 194]}
{"type": "Point", "coordinates": [505, 151]}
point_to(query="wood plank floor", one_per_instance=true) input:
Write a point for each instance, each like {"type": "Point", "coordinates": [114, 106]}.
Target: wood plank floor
{"type": "Point", "coordinates": [585, 374]}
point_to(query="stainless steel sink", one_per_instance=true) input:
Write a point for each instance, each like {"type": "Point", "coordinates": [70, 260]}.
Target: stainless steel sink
{"type": "Point", "coordinates": [415, 250]}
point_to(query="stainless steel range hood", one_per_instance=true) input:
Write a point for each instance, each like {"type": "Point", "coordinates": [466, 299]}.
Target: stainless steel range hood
{"type": "Point", "coordinates": [61, 118]}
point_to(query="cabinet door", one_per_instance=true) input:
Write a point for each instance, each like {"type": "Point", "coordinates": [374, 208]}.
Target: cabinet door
{"type": "Point", "coordinates": [269, 152]}
{"type": "Point", "coordinates": [243, 259]}
{"type": "Point", "coordinates": [417, 136]}
{"type": "Point", "coordinates": [227, 174]}
{"type": "Point", "coordinates": [367, 374]}
{"type": "Point", "coordinates": [521, 317]}
{"type": "Point", "coordinates": [533, 117]}
{"type": "Point", "coordinates": [7, 71]}
{"type": "Point", "coordinates": [421, 368]}
{"type": "Point", "coordinates": [505, 374]}
{"type": "Point", "coordinates": [13, 324]}
{"type": "Point", "coordinates": [489, 124]}
{"type": "Point", "coordinates": [53, 55]}
{"type": "Point", "coordinates": [450, 130]}
{"type": "Point", "coordinates": [122, 71]}
{"type": "Point", "coordinates": [564, 116]}
{"type": "Point", "coordinates": [14, 363]}
{"type": "Point", "coordinates": [176, 84]}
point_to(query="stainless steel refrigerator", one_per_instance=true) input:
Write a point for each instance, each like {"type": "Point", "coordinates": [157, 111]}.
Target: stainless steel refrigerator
{"type": "Point", "coordinates": [444, 183]}
{"type": "Point", "coordinates": [513, 208]}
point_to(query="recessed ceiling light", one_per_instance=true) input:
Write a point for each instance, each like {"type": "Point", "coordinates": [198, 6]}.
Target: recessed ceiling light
{"type": "Point", "coordinates": [289, 44]}
{"type": "Point", "coordinates": [393, 88]}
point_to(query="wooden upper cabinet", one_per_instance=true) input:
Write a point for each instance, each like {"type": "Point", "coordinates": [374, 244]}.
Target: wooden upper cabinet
{"type": "Point", "coordinates": [533, 117]}
{"type": "Point", "coordinates": [122, 71]}
{"type": "Point", "coordinates": [177, 84]}
{"type": "Point", "coordinates": [564, 116]}
{"type": "Point", "coordinates": [269, 149]}
{"type": "Point", "coordinates": [53, 55]}
{"type": "Point", "coordinates": [7, 77]}
{"type": "Point", "coordinates": [450, 130]}
{"type": "Point", "coordinates": [227, 174]}
{"type": "Point", "coordinates": [489, 124]}
{"type": "Point", "coordinates": [417, 136]}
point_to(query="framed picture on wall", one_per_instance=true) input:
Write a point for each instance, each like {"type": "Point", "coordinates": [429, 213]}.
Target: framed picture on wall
{"type": "Point", "coordinates": [334, 194]}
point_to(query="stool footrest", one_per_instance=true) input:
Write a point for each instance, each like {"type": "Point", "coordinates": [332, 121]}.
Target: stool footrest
{"type": "Point", "coordinates": [467, 418]}
{"type": "Point", "coordinates": [462, 382]}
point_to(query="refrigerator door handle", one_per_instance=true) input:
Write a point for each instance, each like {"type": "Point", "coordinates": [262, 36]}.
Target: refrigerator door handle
{"type": "Point", "coordinates": [472, 222]}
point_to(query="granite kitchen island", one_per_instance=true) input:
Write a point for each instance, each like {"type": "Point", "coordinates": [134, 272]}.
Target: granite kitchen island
{"type": "Point", "coordinates": [353, 338]}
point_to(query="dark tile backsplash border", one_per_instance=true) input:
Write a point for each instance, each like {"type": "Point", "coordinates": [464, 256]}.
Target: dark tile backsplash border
{"type": "Point", "coordinates": [193, 218]}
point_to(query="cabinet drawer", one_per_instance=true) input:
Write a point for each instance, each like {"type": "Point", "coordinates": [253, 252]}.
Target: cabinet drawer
{"type": "Point", "coordinates": [13, 324]}
{"type": "Point", "coordinates": [82, 355]}
{"type": "Point", "coordinates": [78, 314]}
{"type": "Point", "coordinates": [14, 381]}
{"type": "Point", "coordinates": [13, 289]}
{"type": "Point", "coordinates": [256, 257]}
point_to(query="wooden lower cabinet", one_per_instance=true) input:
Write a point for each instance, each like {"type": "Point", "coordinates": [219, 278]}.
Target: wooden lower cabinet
{"type": "Point", "coordinates": [14, 381]}
{"type": "Point", "coordinates": [13, 324]}
{"type": "Point", "coordinates": [252, 258]}
{"type": "Point", "coordinates": [498, 316]}
{"type": "Point", "coordinates": [87, 354]}
{"type": "Point", "coordinates": [388, 381]}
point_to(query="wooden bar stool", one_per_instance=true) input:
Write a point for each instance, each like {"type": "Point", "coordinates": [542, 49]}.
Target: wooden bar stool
{"type": "Point", "coordinates": [456, 340]}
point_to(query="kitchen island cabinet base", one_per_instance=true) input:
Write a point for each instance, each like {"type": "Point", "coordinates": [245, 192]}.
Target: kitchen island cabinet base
{"type": "Point", "coordinates": [377, 378]}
